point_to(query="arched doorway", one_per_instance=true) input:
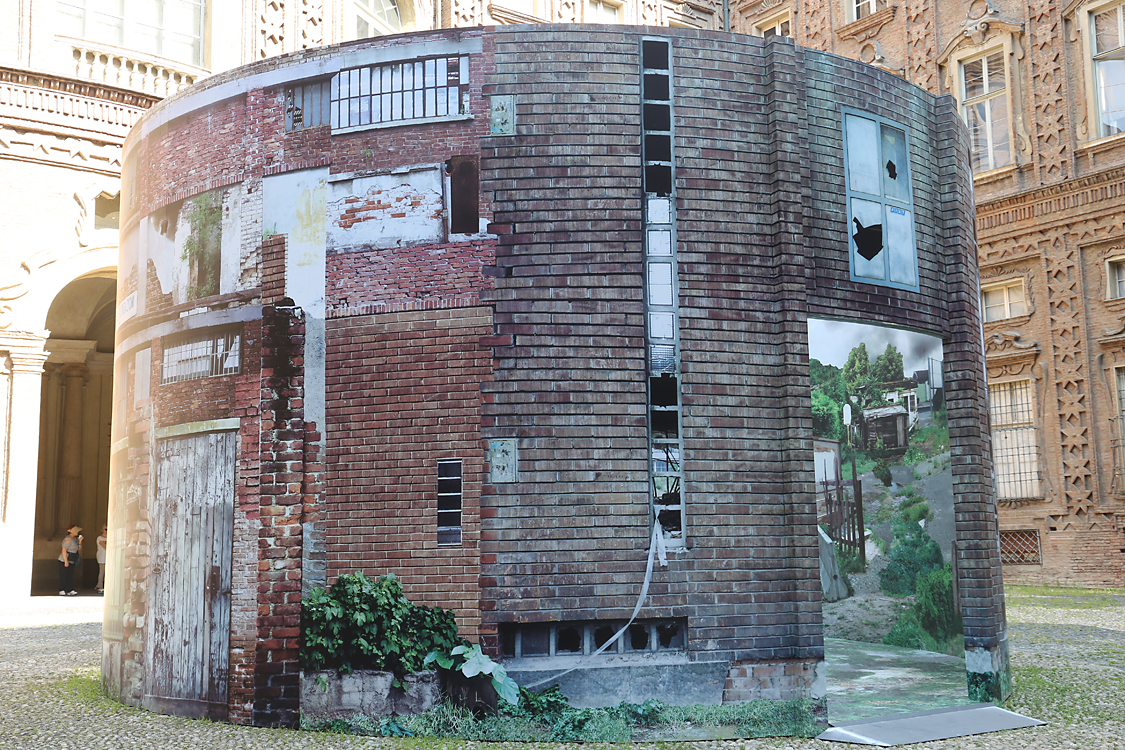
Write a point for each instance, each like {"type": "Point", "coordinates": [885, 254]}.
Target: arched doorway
{"type": "Point", "coordinates": [75, 418]}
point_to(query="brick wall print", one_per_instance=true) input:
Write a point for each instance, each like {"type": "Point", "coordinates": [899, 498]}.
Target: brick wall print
{"type": "Point", "coordinates": [510, 365]}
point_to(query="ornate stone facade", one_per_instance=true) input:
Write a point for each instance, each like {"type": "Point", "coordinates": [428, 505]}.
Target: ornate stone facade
{"type": "Point", "coordinates": [1050, 194]}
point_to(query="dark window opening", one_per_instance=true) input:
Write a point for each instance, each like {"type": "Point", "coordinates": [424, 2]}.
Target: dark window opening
{"type": "Point", "coordinates": [602, 635]}
{"type": "Point", "coordinates": [569, 641]}
{"type": "Point", "coordinates": [536, 641]}
{"type": "Point", "coordinates": [868, 240]}
{"type": "Point", "coordinates": [891, 171]}
{"type": "Point", "coordinates": [669, 518]}
{"type": "Point", "coordinates": [665, 424]}
{"type": "Point", "coordinates": [638, 637]}
{"type": "Point", "coordinates": [657, 117]}
{"type": "Point", "coordinates": [663, 390]}
{"type": "Point", "coordinates": [658, 179]}
{"type": "Point", "coordinates": [670, 635]}
{"type": "Point", "coordinates": [464, 188]}
{"type": "Point", "coordinates": [449, 502]}
{"type": "Point", "coordinates": [307, 106]}
{"type": "Point", "coordinates": [656, 86]}
{"type": "Point", "coordinates": [508, 642]}
{"type": "Point", "coordinates": [658, 147]}
{"type": "Point", "coordinates": [654, 54]}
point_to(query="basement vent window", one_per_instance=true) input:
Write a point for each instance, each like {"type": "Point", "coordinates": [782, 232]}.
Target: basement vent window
{"type": "Point", "coordinates": [449, 502]}
{"type": "Point", "coordinates": [584, 638]}
{"type": "Point", "coordinates": [202, 355]}
{"type": "Point", "coordinates": [400, 92]}
{"type": "Point", "coordinates": [307, 106]}
{"type": "Point", "coordinates": [1020, 547]}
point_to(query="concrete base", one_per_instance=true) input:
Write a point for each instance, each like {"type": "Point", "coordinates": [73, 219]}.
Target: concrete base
{"type": "Point", "coordinates": [679, 683]}
{"type": "Point", "coordinates": [367, 692]}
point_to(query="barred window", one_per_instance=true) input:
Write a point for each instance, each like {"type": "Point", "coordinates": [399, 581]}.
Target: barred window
{"type": "Point", "coordinates": [1118, 435]}
{"type": "Point", "coordinates": [1015, 440]}
{"type": "Point", "coordinates": [306, 106]}
{"type": "Point", "coordinates": [400, 92]}
{"type": "Point", "coordinates": [202, 355]}
{"type": "Point", "coordinates": [1020, 547]}
{"type": "Point", "coordinates": [449, 502]}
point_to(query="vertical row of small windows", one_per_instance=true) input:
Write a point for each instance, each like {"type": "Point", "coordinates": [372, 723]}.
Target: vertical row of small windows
{"type": "Point", "coordinates": [984, 105]}
{"type": "Point", "coordinates": [449, 502]}
{"type": "Point", "coordinates": [880, 202]}
{"type": "Point", "coordinates": [661, 298]}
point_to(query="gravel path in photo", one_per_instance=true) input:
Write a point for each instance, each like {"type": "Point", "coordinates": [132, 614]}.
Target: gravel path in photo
{"type": "Point", "coordinates": [1068, 663]}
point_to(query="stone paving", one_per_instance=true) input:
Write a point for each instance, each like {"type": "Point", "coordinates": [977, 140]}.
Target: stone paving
{"type": "Point", "coordinates": [1068, 657]}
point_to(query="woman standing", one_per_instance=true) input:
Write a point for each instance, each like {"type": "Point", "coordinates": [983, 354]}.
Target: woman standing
{"type": "Point", "coordinates": [102, 540]}
{"type": "Point", "coordinates": [68, 560]}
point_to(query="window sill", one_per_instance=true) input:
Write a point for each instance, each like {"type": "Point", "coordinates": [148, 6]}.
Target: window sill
{"type": "Point", "coordinates": [401, 123]}
{"type": "Point", "coordinates": [867, 27]}
{"type": "Point", "coordinates": [1015, 320]}
{"type": "Point", "coordinates": [1105, 143]}
{"type": "Point", "coordinates": [994, 175]}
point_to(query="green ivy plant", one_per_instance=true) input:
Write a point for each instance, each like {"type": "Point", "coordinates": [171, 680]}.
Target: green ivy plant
{"type": "Point", "coordinates": [364, 623]}
{"type": "Point", "coordinates": [470, 661]}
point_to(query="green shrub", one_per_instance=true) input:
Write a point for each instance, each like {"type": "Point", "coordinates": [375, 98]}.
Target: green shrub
{"type": "Point", "coordinates": [909, 633]}
{"type": "Point", "coordinates": [882, 472]}
{"type": "Point", "coordinates": [934, 605]}
{"type": "Point", "coordinates": [849, 560]}
{"type": "Point", "coordinates": [913, 456]}
{"type": "Point", "coordinates": [912, 552]}
{"type": "Point", "coordinates": [364, 623]}
{"type": "Point", "coordinates": [542, 705]}
{"type": "Point", "coordinates": [913, 509]}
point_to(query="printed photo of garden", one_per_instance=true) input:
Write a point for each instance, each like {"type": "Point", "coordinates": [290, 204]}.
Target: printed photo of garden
{"type": "Point", "coordinates": [884, 486]}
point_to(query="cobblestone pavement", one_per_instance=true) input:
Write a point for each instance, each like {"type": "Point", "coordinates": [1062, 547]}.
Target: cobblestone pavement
{"type": "Point", "coordinates": [1068, 662]}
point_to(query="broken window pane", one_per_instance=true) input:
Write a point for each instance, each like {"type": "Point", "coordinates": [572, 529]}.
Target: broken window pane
{"type": "Point", "coordinates": [665, 424]}
{"type": "Point", "coordinates": [604, 633]}
{"type": "Point", "coordinates": [638, 637]}
{"type": "Point", "coordinates": [659, 211]}
{"type": "Point", "coordinates": [867, 223]}
{"type": "Point", "coordinates": [569, 641]}
{"type": "Point", "coordinates": [658, 179]}
{"type": "Point", "coordinates": [663, 358]}
{"type": "Point", "coordinates": [662, 325]}
{"type": "Point", "coordinates": [665, 457]}
{"type": "Point", "coordinates": [660, 284]}
{"type": "Point", "coordinates": [900, 245]}
{"type": "Point", "coordinates": [657, 117]}
{"type": "Point", "coordinates": [659, 241]}
{"type": "Point", "coordinates": [666, 490]}
{"type": "Point", "coordinates": [662, 390]}
{"type": "Point", "coordinates": [864, 166]}
{"type": "Point", "coordinates": [658, 147]}
{"type": "Point", "coordinates": [670, 636]}
{"type": "Point", "coordinates": [896, 162]}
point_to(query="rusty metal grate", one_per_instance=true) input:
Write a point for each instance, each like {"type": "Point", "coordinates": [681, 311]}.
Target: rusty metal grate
{"type": "Point", "coordinates": [202, 355]}
{"type": "Point", "coordinates": [1020, 547]}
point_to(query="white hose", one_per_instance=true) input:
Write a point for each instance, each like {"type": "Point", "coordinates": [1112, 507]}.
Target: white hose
{"type": "Point", "coordinates": [656, 548]}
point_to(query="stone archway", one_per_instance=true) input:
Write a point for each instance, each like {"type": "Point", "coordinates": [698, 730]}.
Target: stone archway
{"type": "Point", "coordinates": [76, 409]}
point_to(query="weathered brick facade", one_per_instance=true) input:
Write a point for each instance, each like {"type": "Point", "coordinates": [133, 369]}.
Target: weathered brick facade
{"type": "Point", "coordinates": [380, 348]}
{"type": "Point", "coordinates": [1050, 208]}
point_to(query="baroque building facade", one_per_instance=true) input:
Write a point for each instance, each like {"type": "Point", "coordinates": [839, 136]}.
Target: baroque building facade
{"type": "Point", "coordinates": [1041, 85]}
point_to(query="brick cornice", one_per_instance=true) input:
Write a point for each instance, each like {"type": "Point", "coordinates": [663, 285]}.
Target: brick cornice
{"type": "Point", "coordinates": [1056, 200]}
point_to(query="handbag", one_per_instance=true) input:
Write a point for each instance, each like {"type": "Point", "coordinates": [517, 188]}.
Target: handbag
{"type": "Point", "coordinates": [74, 559]}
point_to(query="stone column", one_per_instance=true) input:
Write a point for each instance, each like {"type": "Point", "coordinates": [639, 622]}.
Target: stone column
{"type": "Point", "coordinates": [17, 527]}
{"type": "Point", "coordinates": [69, 497]}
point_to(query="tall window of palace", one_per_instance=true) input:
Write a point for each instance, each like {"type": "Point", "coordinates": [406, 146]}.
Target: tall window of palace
{"type": "Point", "coordinates": [1015, 440]}
{"type": "Point", "coordinates": [984, 105]}
{"type": "Point", "coordinates": [1109, 68]}
{"type": "Point", "coordinates": [172, 29]}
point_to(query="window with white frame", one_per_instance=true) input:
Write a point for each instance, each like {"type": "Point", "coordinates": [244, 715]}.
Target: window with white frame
{"type": "Point", "coordinates": [599, 11]}
{"type": "Point", "coordinates": [1015, 440]}
{"type": "Point", "coordinates": [376, 18]}
{"type": "Point", "coordinates": [1003, 301]}
{"type": "Point", "coordinates": [172, 29]}
{"type": "Point", "coordinates": [859, 9]}
{"type": "Point", "coordinates": [449, 502]}
{"type": "Point", "coordinates": [776, 26]}
{"type": "Point", "coordinates": [880, 201]}
{"type": "Point", "coordinates": [984, 106]}
{"type": "Point", "coordinates": [1107, 32]}
{"type": "Point", "coordinates": [1115, 276]}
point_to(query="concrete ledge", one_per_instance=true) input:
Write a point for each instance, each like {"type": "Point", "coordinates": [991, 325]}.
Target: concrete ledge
{"type": "Point", "coordinates": [599, 685]}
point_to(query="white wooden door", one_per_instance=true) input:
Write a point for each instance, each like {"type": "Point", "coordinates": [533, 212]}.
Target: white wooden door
{"type": "Point", "coordinates": [189, 584]}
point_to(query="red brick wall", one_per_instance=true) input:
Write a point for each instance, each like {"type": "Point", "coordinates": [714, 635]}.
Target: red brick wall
{"type": "Point", "coordinates": [403, 392]}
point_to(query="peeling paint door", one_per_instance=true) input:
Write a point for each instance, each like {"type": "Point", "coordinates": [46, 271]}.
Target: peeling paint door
{"type": "Point", "coordinates": [189, 584]}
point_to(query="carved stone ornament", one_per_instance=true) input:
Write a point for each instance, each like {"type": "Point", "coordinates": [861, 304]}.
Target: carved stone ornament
{"type": "Point", "coordinates": [1007, 341]}
{"type": "Point", "coordinates": [1006, 354]}
{"type": "Point", "coordinates": [866, 28]}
